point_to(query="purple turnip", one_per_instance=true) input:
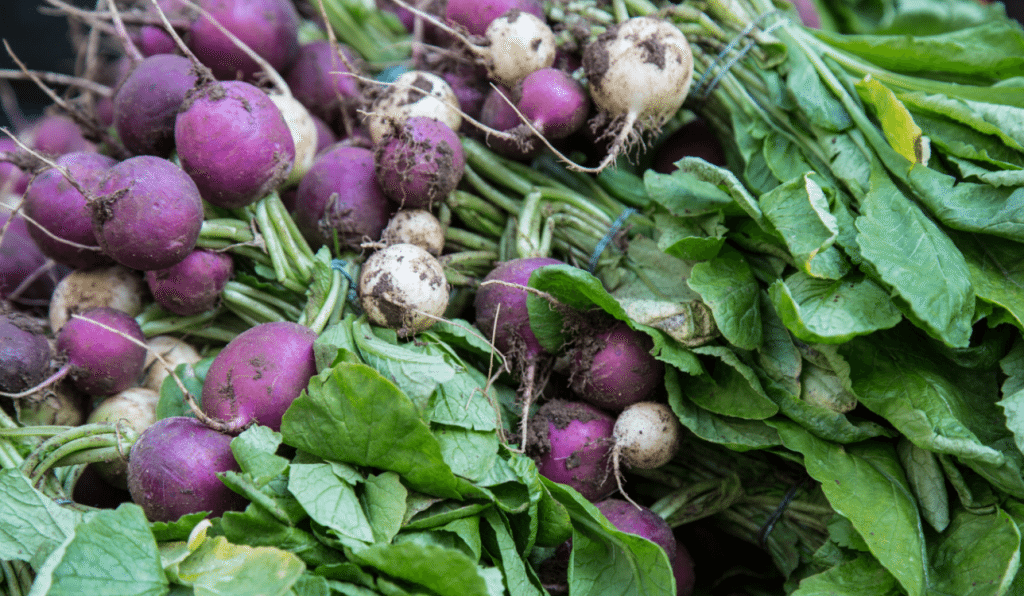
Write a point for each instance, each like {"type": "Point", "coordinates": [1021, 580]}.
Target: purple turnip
{"type": "Point", "coordinates": [61, 215]}
{"type": "Point", "coordinates": [629, 518]}
{"type": "Point", "coordinates": [475, 16]}
{"type": "Point", "coordinates": [55, 135]}
{"type": "Point", "coordinates": [193, 285]}
{"type": "Point", "coordinates": [572, 445]}
{"type": "Point", "coordinates": [259, 374]}
{"type": "Point", "coordinates": [173, 466]}
{"type": "Point", "coordinates": [24, 353]}
{"type": "Point", "coordinates": [339, 197]}
{"type": "Point", "coordinates": [614, 368]}
{"type": "Point", "coordinates": [553, 102]}
{"type": "Point", "coordinates": [318, 79]}
{"type": "Point", "coordinates": [27, 278]}
{"type": "Point", "coordinates": [419, 163]}
{"type": "Point", "coordinates": [147, 103]}
{"type": "Point", "coordinates": [269, 27]}
{"type": "Point", "coordinates": [149, 213]}
{"type": "Point", "coordinates": [101, 354]}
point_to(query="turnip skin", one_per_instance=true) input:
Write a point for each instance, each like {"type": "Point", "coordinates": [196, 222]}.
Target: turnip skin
{"type": "Point", "coordinates": [475, 15]}
{"type": "Point", "coordinates": [193, 285]}
{"type": "Point", "coordinates": [683, 570]}
{"type": "Point", "coordinates": [234, 143]}
{"type": "Point", "coordinates": [340, 195]}
{"type": "Point", "coordinates": [419, 163]}
{"type": "Point", "coordinates": [173, 466]}
{"type": "Point", "coordinates": [571, 442]}
{"type": "Point", "coordinates": [520, 43]}
{"type": "Point", "coordinates": [21, 259]}
{"type": "Point", "coordinates": [173, 351]}
{"type": "Point", "coordinates": [103, 362]}
{"type": "Point", "coordinates": [51, 201]}
{"type": "Point", "coordinates": [512, 336]}
{"type": "Point", "coordinates": [269, 27]}
{"type": "Point", "coordinates": [647, 435]}
{"type": "Point", "coordinates": [317, 79]}
{"type": "Point", "coordinates": [146, 103]}
{"type": "Point", "coordinates": [259, 374]}
{"type": "Point", "coordinates": [414, 93]}
{"type": "Point", "coordinates": [628, 517]}
{"type": "Point", "coordinates": [415, 226]}
{"type": "Point", "coordinates": [553, 102]}
{"type": "Point", "coordinates": [55, 134]}
{"type": "Point", "coordinates": [403, 287]}
{"type": "Point", "coordinates": [615, 368]}
{"type": "Point", "coordinates": [113, 286]}
{"type": "Point", "coordinates": [24, 354]}
{"type": "Point", "coordinates": [149, 214]}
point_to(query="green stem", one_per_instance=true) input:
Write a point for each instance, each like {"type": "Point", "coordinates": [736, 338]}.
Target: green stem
{"type": "Point", "coordinates": [489, 192]}
{"type": "Point", "coordinates": [482, 159]}
{"type": "Point", "coordinates": [278, 258]}
{"type": "Point", "coordinates": [177, 324]}
{"type": "Point", "coordinates": [461, 201]}
{"type": "Point", "coordinates": [288, 308]}
{"type": "Point", "coordinates": [319, 322]}
{"type": "Point", "coordinates": [250, 309]}
{"type": "Point", "coordinates": [468, 240]}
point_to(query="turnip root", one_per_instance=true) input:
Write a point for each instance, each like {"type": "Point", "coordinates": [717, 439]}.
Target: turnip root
{"type": "Point", "coordinates": [193, 285]}
{"type": "Point", "coordinates": [475, 15]}
{"type": "Point", "coordinates": [55, 134]}
{"type": "Point", "coordinates": [554, 103]}
{"type": "Point", "coordinates": [61, 215]}
{"type": "Point", "coordinates": [26, 277]}
{"type": "Point", "coordinates": [572, 444]}
{"type": "Point", "coordinates": [114, 286]}
{"type": "Point", "coordinates": [403, 287]}
{"type": "Point", "coordinates": [419, 162]}
{"type": "Point", "coordinates": [319, 79]}
{"type": "Point", "coordinates": [627, 517]}
{"type": "Point", "coordinates": [59, 404]}
{"type": "Point", "coordinates": [269, 27]}
{"type": "Point", "coordinates": [173, 466]}
{"type": "Point", "coordinates": [172, 352]}
{"type": "Point", "coordinates": [146, 103]}
{"type": "Point", "coordinates": [639, 73]}
{"type": "Point", "coordinates": [614, 368]}
{"type": "Point", "coordinates": [414, 93]}
{"type": "Point", "coordinates": [103, 361]}
{"type": "Point", "coordinates": [24, 354]}
{"type": "Point", "coordinates": [647, 435]}
{"type": "Point", "coordinates": [259, 374]}
{"type": "Point", "coordinates": [415, 226]}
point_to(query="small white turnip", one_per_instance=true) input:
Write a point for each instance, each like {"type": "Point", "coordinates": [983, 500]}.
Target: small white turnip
{"type": "Point", "coordinates": [403, 287]}
{"type": "Point", "coordinates": [646, 435]}
{"type": "Point", "coordinates": [415, 226]}
{"type": "Point", "coordinates": [415, 93]}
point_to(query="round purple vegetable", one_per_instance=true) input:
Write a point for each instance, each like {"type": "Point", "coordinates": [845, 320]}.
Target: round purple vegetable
{"type": "Point", "coordinates": [54, 134]}
{"type": "Point", "coordinates": [340, 196]}
{"type": "Point", "coordinates": [24, 354]}
{"type": "Point", "coordinates": [512, 335]}
{"type": "Point", "coordinates": [477, 15]}
{"type": "Point", "coordinates": [194, 285]}
{"type": "Point", "coordinates": [147, 102]}
{"type": "Point", "coordinates": [317, 79]}
{"type": "Point", "coordinates": [53, 203]}
{"type": "Point", "coordinates": [234, 143]}
{"type": "Point", "coordinates": [101, 361]}
{"type": "Point", "coordinates": [259, 374]}
{"type": "Point", "coordinates": [615, 368]}
{"type": "Point", "coordinates": [153, 39]}
{"type": "Point", "coordinates": [419, 163]}
{"type": "Point", "coordinates": [173, 466]}
{"type": "Point", "coordinates": [632, 519]}
{"type": "Point", "coordinates": [572, 444]}
{"type": "Point", "coordinates": [269, 27]}
{"type": "Point", "coordinates": [554, 102]}
{"type": "Point", "coordinates": [497, 113]}
{"type": "Point", "coordinates": [149, 213]}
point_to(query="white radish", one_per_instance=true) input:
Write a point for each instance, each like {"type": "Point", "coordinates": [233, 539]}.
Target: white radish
{"type": "Point", "coordinates": [646, 435]}
{"type": "Point", "coordinates": [414, 93]}
{"type": "Point", "coordinates": [415, 226]}
{"type": "Point", "coordinates": [403, 287]}
{"type": "Point", "coordinates": [520, 44]}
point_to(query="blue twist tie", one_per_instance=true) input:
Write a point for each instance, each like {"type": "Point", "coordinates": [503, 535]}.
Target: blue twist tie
{"type": "Point", "coordinates": [612, 231]}
{"type": "Point", "coordinates": [704, 87]}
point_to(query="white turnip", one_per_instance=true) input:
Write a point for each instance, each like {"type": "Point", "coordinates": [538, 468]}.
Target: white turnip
{"type": "Point", "coordinates": [403, 287]}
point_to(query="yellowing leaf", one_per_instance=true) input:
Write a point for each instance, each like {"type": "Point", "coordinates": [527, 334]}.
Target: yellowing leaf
{"type": "Point", "coordinates": [898, 125]}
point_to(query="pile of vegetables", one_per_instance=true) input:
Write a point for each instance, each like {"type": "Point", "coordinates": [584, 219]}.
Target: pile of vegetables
{"type": "Point", "coordinates": [517, 297]}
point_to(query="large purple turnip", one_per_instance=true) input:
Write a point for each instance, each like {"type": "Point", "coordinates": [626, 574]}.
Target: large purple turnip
{"type": "Point", "coordinates": [572, 445]}
{"type": "Point", "coordinates": [614, 368]}
{"type": "Point", "coordinates": [147, 103]}
{"type": "Point", "coordinates": [318, 79]}
{"type": "Point", "coordinates": [102, 357]}
{"type": "Point", "coordinates": [269, 27]}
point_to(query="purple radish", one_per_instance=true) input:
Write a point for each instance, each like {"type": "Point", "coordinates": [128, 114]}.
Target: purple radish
{"type": "Point", "coordinates": [614, 368]}
{"type": "Point", "coordinates": [259, 374]}
{"type": "Point", "coordinates": [470, 93]}
{"type": "Point", "coordinates": [340, 197]}
{"type": "Point", "coordinates": [147, 103]}
{"type": "Point", "coordinates": [572, 445]}
{"type": "Point", "coordinates": [639, 520]}
{"type": "Point", "coordinates": [153, 39]}
{"type": "Point", "coordinates": [497, 113]}
{"type": "Point", "coordinates": [317, 79]}
{"type": "Point", "coordinates": [55, 134]}
{"type": "Point", "coordinates": [102, 362]}
{"type": "Point", "coordinates": [553, 102]}
{"type": "Point", "coordinates": [173, 467]}
{"type": "Point", "coordinates": [419, 163]}
{"type": "Point", "coordinates": [26, 277]}
{"type": "Point", "coordinates": [475, 15]}
{"type": "Point", "coordinates": [24, 354]}
{"type": "Point", "coordinates": [325, 136]}
{"type": "Point", "coordinates": [149, 213]}
{"type": "Point", "coordinates": [194, 285]}
{"type": "Point", "coordinates": [512, 333]}
{"type": "Point", "coordinates": [62, 216]}
{"type": "Point", "coordinates": [682, 569]}
{"type": "Point", "coordinates": [269, 27]}
{"type": "Point", "coordinates": [234, 143]}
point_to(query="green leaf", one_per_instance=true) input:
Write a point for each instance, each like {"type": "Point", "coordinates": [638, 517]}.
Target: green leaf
{"type": "Point", "coordinates": [920, 263]}
{"type": "Point", "coordinates": [683, 194]}
{"type": "Point", "coordinates": [832, 311]}
{"type": "Point", "coordinates": [254, 450]}
{"type": "Point", "coordinates": [605, 561]}
{"type": "Point", "coordinates": [695, 239]}
{"type": "Point", "coordinates": [736, 433]}
{"type": "Point", "coordinates": [445, 571]}
{"type": "Point", "coordinates": [32, 523]}
{"type": "Point", "coordinates": [172, 400]}
{"type": "Point", "coordinates": [111, 553]}
{"type": "Point", "coordinates": [178, 529]}
{"type": "Point", "coordinates": [863, 576]}
{"type": "Point", "coordinates": [384, 500]}
{"type": "Point", "coordinates": [969, 206]}
{"type": "Point", "coordinates": [732, 388]}
{"type": "Point", "coordinates": [329, 500]}
{"type": "Point", "coordinates": [927, 480]}
{"type": "Point", "coordinates": [1012, 401]}
{"type": "Point", "coordinates": [997, 271]}
{"type": "Point", "coordinates": [219, 568]}
{"type": "Point", "coordinates": [728, 286]}
{"type": "Point", "coordinates": [800, 213]}
{"type": "Point", "coordinates": [350, 413]}
{"type": "Point", "coordinates": [520, 578]}
{"type": "Point", "coordinates": [469, 453]}
{"type": "Point", "coordinates": [816, 101]}
{"type": "Point", "coordinates": [896, 121]}
{"type": "Point", "coordinates": [977, 555]}
{"type": "Point", "coordinates": [415, 372]}
{"type": "Point", "coordinates": [864, 484]}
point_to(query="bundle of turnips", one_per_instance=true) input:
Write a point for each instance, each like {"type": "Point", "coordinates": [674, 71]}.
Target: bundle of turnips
{"type": "Point", "coordinates": [467, 298]}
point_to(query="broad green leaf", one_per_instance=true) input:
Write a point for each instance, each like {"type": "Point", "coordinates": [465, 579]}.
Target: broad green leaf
{"type": "Point", "coordinates": [691, 239]}
{"type": "Point", "coordinates": [254, 450]}
{"type": "Point", "coordinates": [997, 271]}
{"type": "Point", "coordinates": [415, 372]}
{"type": "Point", "coordinates": [1012, 401]}
{"type": "Point", "coordinates": [33, 525]}
{"type": "Point", "coordinates": [955, 139]}
{"type": "Point", "coordinates": [172, 399]}
{"type": "Point", "coordinates": [800, 213]}
{"type": "Point", "coordinates": [111, 553]}
{"type": "Point", "coordinates": [329, 500]}
{"type": "Point", "coordinates": [519, 577]}
{"type": "Point", "coordinates": [605, 561]}
{"type": "Point", "coordinates": [969, 206]}
{"type": "Point", "coordinates": [731, 387]}
{"type": "Point", "coordinates": [178, 529]}
{"type": "Point", "coordinates": [350, 413]}
{"type": "Point", "coordinates": [337, 342]}
{"type": "Point", "coordinates": [927, 481]}
{"type": "Point", "coordinates": [875, 498]}
{"type": "Point", "coordinates": [384, 501]}
{"type": "Point", "coordinates": [920, 263]}
{"type": "Point", "coordinates": [727, 285]}
{"type": "Point", "coordinates": [736, 433]}
{"type": "Point", "coordinates": [571, 287]}
{"type": "Point", "coordinates": [897, 123]}
{"type": "Point", "coordinates": [820, 421]}
{"type": "Point", "coordinates": [444, 571]}
{"type": "Point", "coordinates": [977, 555]}
{"type": "Point", "coordinates": [816, 100]}
{"type": "Point", "coordinates": [863, 576]}
{"type": "Point", "coordinates": [701, 179]}
{"type": "Point", "coordinates": [778, 356]}
{"type": "Point", "coordinates": [469, 453]}
{"type": "Point", "coordinates": [686, 195]}
{"type": "Point", "coordinates": [832, 311]}
{"type": "Point", "coordinates": [219, 568]}
{"type": "Point", "coordinates": [256, 527]}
